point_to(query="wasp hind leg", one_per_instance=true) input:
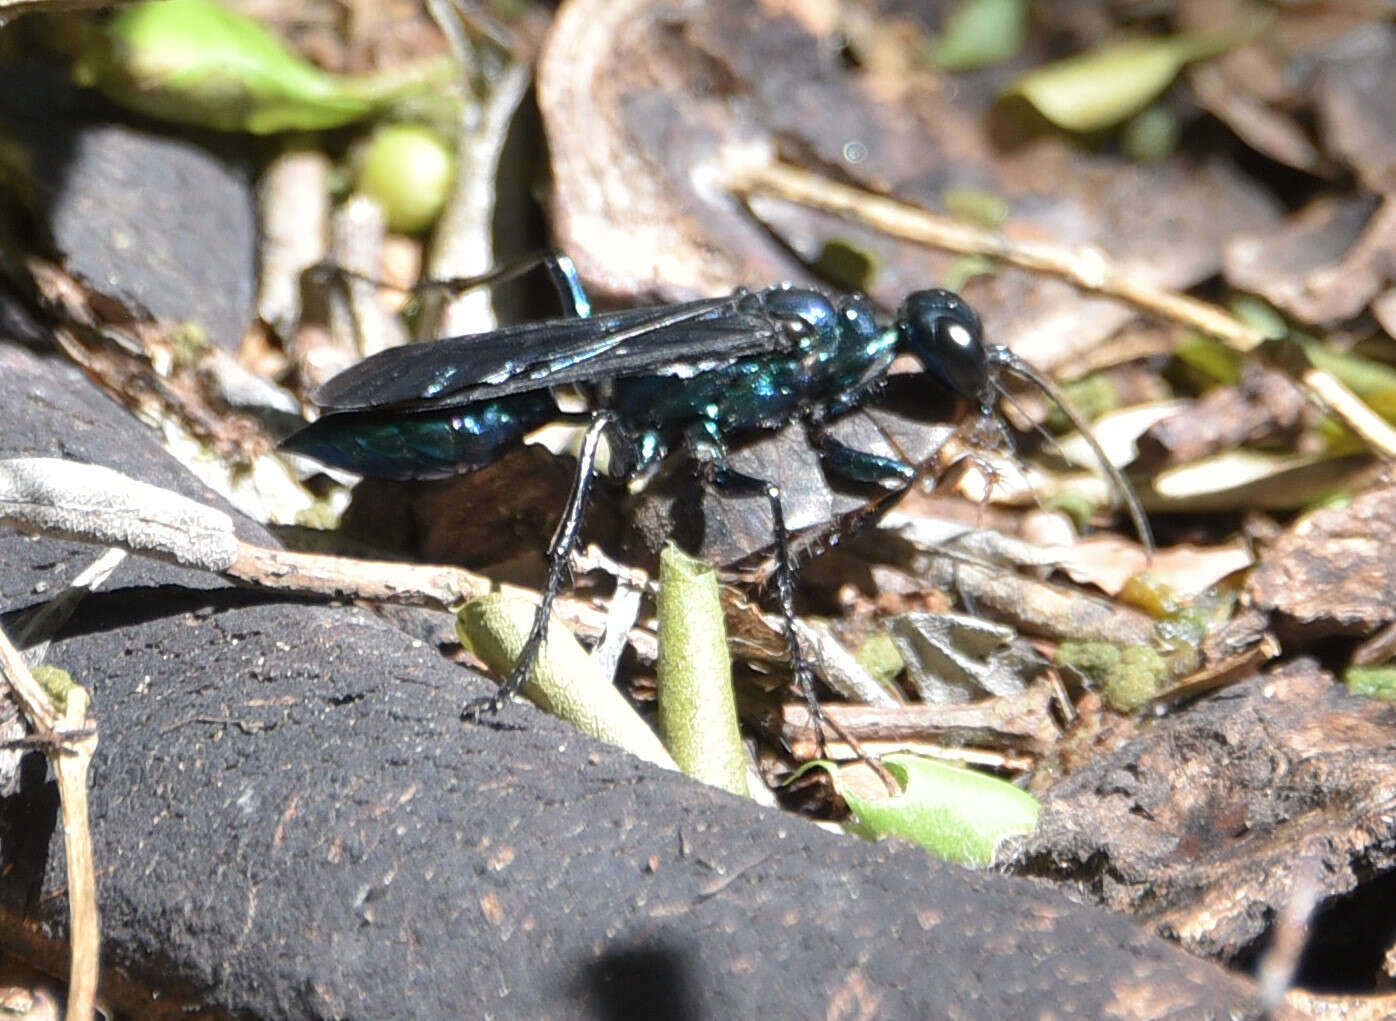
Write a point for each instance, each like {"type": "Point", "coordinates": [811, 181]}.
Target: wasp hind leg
{"type": "Point", "coordinates": [560, 551]}
{"type": "Point", "coordinates": [717, 473]}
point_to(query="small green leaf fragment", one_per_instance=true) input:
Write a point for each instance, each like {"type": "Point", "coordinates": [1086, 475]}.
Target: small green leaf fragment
{"type": "Point", "coordinates": [1213, 359]}
{"type": "Point", "coordinates": [960, 815]}
{"type": "Point", "coordinates": [1260, 314]}
{"type": "Point", "coordinates": [846, 265]}
{"type": "Point", "coordinates": [880, 658]}
{"type": "Point", "coordinates": [977, 206]}
{"type": "Point", "coordinates": [564, 681]}
{"type": "Point", "coordinates": [697, 707]}
{"type": "Point", "coordinates": [1361, 375]}
{"type": "Point", "coordinates": [1151, 135]}
{"type": "Point", "coordinates": [1383, 402]}
{"type": "Point", "coordinates": [409, 170]}
{"type": "Point", "coordinates": [196, 62]}
{"type": "Point", "coordinates": [1102, 88]}
{"type": "Point", "coordinates": [965, 268]}
{"type": "Point", "coordinates": [1372, 681]}
{"type": "Point", "coordinates": [981, 33]}
{"type": "Point", "coordinates": [1075, 504]}
{"type": "Point", "coordinates": [56, 682]}
{"type": "Point", "coordinates": [1090, 396]}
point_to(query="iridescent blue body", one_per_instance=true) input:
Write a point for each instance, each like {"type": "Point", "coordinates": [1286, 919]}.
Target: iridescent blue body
{"type": "Point", "coordinates": [833, 357]}
{"type": "Point", "coordinates": [700, 375]}
{"type": "Point", "coordinates": [429, 444]}
{"type": "Point", "coordinates": [815, 357]}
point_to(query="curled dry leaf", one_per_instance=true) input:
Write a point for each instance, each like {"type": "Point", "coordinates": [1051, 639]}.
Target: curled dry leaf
{"type": "Point", "coordinates": [1332, 573]}
{"type": "Point", "coordinates": [1108, 562]}
{"type": "Point", "coordinates": [1267, 405]}
{"type": "Point", "coordinates": [1256, 481]}
{"type": "Point", "coordinates": [1327, 265]}
{"type": "Point", "coordinates": [952, 657]}
{"type": "Point", "coordinates": [1196, 825]}
{"type": "Point", "coordinates": [643, 101]}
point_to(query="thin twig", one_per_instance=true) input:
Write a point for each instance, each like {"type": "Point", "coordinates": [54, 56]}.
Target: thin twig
{"type": "Point", "coordinates": [1353, 411]}
{"type": "Point", "coordinates": [1086, 266]}
{"type": "Point", "coordinates": [72, 741]}
{"type": "Point", "coordinates": [93, 504]}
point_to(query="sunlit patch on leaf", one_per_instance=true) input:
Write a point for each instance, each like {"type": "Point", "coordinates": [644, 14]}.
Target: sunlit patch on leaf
{"type": "Point", "coordinates": [1100, 89]}
{"type": "Point", "coordinates": [957, 814]}
{"type": "Point", "coordinates": [981, 33]}
{"type": "Point", "coordinates": [1372, 681]}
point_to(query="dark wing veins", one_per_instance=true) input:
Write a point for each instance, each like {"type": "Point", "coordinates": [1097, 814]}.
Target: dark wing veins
{"type": "Point", "coordinates": [649, 341]}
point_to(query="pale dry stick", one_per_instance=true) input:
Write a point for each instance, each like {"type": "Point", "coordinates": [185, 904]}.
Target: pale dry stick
{"type": "Point", "coordinates": [1086, 266]}
{"type": "Point", "coordinates": [1355, 413]}
{"type": "Point", "coordinates": [434, 586]}
{"type": "Point", "coordinates": [94, 504]}
{"type": "Point", "coordinates": [463, 243]}
{"type": "Point", "coordinates": [69, 743]}
{"type": "Point", "coordinates": [1279, 963]}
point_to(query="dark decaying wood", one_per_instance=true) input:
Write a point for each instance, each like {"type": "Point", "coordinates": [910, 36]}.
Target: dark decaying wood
{"type": "Point", "coordinates": [291, 821]}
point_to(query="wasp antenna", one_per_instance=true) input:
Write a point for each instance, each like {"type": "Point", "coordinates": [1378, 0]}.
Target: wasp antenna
{"type": "Point", "coordinates": [1006, 359]}
{"type": "Point", "coordinates": [1037, 427]}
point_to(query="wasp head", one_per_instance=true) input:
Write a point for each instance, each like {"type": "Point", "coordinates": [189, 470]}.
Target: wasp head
{"type": "Point", "coordinates": [945, 335]}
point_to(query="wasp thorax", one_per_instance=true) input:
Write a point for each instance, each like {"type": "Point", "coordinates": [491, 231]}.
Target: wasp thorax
{"type": "Point", "coordinates": [945, 334]}
{"type": "Point", "coordinates": [806, 316]}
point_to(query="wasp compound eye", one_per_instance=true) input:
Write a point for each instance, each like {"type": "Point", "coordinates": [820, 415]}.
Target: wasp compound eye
{"type": "Point", "coordinates": [944, 333]}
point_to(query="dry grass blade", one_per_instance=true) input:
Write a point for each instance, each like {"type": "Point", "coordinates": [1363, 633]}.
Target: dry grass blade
{"type": "Point", "coordinates": [71, 742]}
{"type": "Point", "coordinates": [1086, 266]}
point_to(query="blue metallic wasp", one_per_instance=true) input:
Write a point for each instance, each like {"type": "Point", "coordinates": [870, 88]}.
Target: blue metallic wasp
{"type": "Point", "coordinates": [699, 375]}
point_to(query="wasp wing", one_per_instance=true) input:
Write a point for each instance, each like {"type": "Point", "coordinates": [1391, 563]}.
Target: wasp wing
{"type": "Point", "coordinates": [533, 356]}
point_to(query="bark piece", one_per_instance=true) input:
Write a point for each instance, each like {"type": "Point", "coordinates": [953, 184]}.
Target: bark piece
{"type": "Point", "coordinates": [1200, 825]}
{"type": "Point", "coordinates": [1332, 573]}
{"type": "Point", "coordinates": [291, 821]}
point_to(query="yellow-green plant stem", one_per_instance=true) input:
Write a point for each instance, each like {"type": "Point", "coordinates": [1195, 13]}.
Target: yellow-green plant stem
{"type": "Point", "coordinates": [564, 681]}
{"type": "Point", "coordinates": [697, 709]}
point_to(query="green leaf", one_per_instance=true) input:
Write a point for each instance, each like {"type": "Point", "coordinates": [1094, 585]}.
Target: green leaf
{"type": "Point", "coordinates": [1100, 89]}
{"type": "Point", "coordinates": [1383, 402]}
{"type": "Point", "coordinates": [195, 62]}
{"type": "Point", "coordinates": [957, 814]}
{"type": "Point", "coordinates": [1372, 681]}
{"type": "Point", "coordinates": [697, 708]}
{"type": "Point", "coordinates": [845, 265]}
{"type": "Point", "coordinates": [981, 33]}
{"type": "Point", "coordinates": [564, 681]}
{"type": "Point", "coordinates": [1361, 375]}
{"type": "Point", "coordinates": [880, 658]}
{"type": "Point", "coordinates": [1151, 135]}
{"type": "Point", "coordinates": [1215, 360]}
